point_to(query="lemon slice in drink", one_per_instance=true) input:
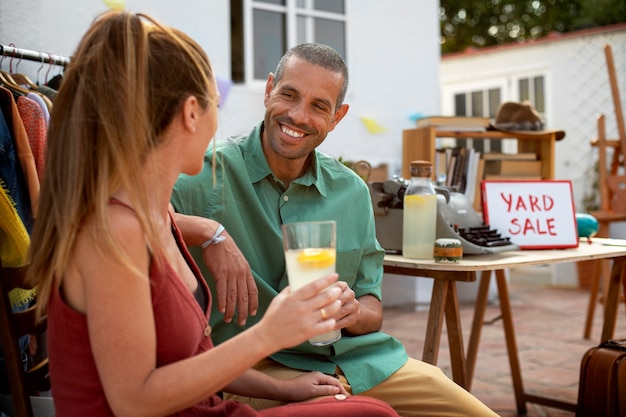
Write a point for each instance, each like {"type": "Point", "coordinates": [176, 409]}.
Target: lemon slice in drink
{"type": "Point", "coordinates": [414, 200]}
{"type": "Point", "coordinates": [316, 258]}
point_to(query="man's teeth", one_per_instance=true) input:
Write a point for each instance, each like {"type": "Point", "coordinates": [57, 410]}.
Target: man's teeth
{"type": "Point", "coordinates": [292, 133]}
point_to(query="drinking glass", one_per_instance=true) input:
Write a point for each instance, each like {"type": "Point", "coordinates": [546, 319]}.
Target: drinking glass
{"type": "Point", "coordinates": [310, 255]}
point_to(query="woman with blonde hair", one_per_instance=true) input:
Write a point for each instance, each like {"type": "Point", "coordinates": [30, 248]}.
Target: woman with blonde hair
{"type": "Point", "coordinates": [127, 308]}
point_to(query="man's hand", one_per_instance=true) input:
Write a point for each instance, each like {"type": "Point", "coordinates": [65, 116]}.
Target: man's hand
{"type": "Point", "coordinates": [358, 316]}
{"type": "Point", "coordinates": [350, 308]}
{"type": "Point", "coordinates": [235, 286]}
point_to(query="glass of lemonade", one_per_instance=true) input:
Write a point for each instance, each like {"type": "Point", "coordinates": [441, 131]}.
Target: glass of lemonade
{"type": "Point", "coordinates": [310, 255]}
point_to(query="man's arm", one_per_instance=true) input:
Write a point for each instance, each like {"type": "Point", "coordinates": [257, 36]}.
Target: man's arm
{"type": "Point", "coordinates": [230, 269]}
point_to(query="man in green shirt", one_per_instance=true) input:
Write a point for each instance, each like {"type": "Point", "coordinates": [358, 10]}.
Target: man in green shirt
{"type": "Point", "coordinates": [255, 183]}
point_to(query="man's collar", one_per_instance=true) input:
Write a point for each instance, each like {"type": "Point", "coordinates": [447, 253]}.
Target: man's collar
{"type": "Point", "coordinates": [255, 160]}
{"type": "Point", "coordinates": [258, 168]}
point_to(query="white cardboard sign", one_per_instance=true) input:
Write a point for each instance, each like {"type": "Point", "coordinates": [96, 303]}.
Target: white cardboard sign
{"type": "Point", "coordinates": [533, 214]}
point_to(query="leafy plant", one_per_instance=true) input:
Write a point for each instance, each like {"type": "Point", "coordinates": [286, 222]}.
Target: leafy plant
{"type": "Point", "coordinates": [591, 199]}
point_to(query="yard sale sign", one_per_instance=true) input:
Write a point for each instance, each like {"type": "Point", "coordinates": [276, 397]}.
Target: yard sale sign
{"type": "Point", "coordinates": [533, 214]}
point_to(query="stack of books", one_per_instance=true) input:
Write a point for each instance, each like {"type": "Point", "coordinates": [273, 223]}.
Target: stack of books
{"type": "Point", "coordinates": [455, 123]}
{"type": "Point", "coordinates": [512, 166]}
{"type": "Point", "coordinates": [462, 169]}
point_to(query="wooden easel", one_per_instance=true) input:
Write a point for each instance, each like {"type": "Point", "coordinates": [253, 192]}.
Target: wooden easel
{"type": "Point", "coordinates": [612, 186]}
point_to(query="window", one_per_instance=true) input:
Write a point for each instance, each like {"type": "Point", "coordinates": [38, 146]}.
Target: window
{"type": "Point", "coordinates": [479, 103]}
{"type": "Point", "coordinates": [532, 89]}
{"type": "Point", "coordinates": [485, 102]}
{"type": "Point", "coordinates": [262, 30]}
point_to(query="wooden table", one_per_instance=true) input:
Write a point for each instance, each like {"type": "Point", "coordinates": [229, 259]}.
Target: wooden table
{"type": "Point", "coordinates": [444, 303]}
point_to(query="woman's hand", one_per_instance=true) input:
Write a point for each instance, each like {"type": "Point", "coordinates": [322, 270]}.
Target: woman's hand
{"type": "Point", "coordinates": [294, 317]}
{"type": "Point", "coordinates": [310, 385]}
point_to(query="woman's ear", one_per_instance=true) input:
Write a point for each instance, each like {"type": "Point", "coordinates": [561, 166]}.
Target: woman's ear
{"type": "Point", "coordinates": [189, 113]}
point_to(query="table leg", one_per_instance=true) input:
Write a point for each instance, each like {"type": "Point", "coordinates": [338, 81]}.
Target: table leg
{"type": "Point", "coordinates": [511, 344]}
{"type": "Point", "coordinates": [593, 298]}
{"type": "Point", "coordinates": [477, 325]}
{"type": "Point", "coordinates": [435, 321]}
{"type": "Point", "coordinates": [455, 337]}
{"type": "Point", "coordinates": [612, 299]}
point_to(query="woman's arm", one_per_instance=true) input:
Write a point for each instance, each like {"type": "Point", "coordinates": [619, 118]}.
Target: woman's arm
{"type": "Point", "coordinates": [123, 337]}
{"type": "Point", "coordinates": [313, 384]}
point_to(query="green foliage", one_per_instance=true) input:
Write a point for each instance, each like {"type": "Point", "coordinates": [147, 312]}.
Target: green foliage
{"type": "Point", "coordinates": [591, 199]}
{"type": "Point", "coordinates": [479, 23]}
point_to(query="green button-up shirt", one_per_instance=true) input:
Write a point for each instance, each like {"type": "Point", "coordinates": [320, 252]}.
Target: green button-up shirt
{"type": "Point", "coordinates": [252, 204]}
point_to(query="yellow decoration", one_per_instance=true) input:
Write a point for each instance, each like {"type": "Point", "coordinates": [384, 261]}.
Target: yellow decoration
{"type": "Point", "coordinates": [115, 4]}
{"type": "Point", "coordinates": [372, 125]}
{"type": "Point", "coordinates": [316, 258]}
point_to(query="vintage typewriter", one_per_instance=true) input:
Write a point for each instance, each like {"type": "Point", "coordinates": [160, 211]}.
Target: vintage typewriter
{"type": "Point", "coordinates": [456, 218]}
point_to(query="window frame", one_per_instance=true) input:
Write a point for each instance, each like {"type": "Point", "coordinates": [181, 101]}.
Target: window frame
{"type": "Point", "coordinates": [292, 12]}
{"type": "Point", "coordinates": [509, 86]}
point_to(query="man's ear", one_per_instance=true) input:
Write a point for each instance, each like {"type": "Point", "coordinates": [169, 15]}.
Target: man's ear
{"type": "Point", "coordinates": [339, 114]}
{"type": "Point", "coordinates": [269, 86]}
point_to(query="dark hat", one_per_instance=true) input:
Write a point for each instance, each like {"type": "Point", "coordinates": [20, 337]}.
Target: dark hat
{"type": "Point", "coordinates": [521, 117]}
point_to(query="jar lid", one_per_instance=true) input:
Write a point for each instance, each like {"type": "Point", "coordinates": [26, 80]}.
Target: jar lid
{"type": "Point", "coordinates": [421, 164]}
{"type": "Point", "coordinates": [448, 242]}
{"type": "Point", "coordinates": [421, 168]}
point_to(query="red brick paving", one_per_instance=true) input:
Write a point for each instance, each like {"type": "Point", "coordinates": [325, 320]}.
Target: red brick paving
{"type": "Point", "coordinates": [548, 323]}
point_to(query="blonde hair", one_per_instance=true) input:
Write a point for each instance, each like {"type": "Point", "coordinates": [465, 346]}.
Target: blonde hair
{"type": "Point", "coordinates": [126, 81]}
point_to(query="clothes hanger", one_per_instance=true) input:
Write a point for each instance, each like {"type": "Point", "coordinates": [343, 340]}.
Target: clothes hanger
{"type": "Point", "coordinates": [2, 79]}
{"type": "Point", "coordinates": [8, 82]}
{"type": "Point", "coordinates": [39, 69]}
{"type": "Point", "coordinates": [45, 98]}
{"type": "Point", "coordinates": [22, 79]}
{"type": "Point", "coordinates": [6, 77]}
{"type": "Point", "coordinates": [49, 68]}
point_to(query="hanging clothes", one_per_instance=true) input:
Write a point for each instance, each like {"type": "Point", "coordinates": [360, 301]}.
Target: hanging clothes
{"type": "Point", "coordinates": [11, 174]}
{"type": "Point", "coordinates": [43, 105]}
{"type": "Point", "coordinates": [14, 241]}
{"type": "Point", "coordinates": [36, 128]}
{"type": "Point", "coordinates": [24, 117]}
{"type": "Point", "coordinates": [24, 158]}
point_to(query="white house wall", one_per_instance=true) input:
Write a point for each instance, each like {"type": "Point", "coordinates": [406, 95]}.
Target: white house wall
{"type": "Point", "coordinates": [393, 56]}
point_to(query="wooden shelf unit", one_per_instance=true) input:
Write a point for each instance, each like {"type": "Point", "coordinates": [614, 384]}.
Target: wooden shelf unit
{"type": "Point", "coordinates": [420, 143]}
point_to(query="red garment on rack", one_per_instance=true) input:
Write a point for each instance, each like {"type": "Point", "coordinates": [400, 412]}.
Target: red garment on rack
{"type": "Point", "coordinates": [36, 130]}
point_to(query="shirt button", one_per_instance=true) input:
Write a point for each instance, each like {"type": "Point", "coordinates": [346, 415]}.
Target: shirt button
{"type": "Point", "coordinates": [286, 198]}
{"type": "Point", "coordinates": [207, 331]}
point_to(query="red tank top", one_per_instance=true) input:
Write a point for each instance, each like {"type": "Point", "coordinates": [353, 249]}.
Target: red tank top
{"type": "Point", "coordinates": [180, 325]}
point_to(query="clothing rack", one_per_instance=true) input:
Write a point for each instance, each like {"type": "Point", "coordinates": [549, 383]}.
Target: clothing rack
{"type": "Point", "coordinates": [43, 57]}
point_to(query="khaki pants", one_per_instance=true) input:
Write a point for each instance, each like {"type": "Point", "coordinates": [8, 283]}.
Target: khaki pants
{"type": "Point", "coordinates": [416, 389]}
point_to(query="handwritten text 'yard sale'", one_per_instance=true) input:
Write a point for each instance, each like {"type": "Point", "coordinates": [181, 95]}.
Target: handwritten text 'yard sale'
{"type": "Point", "coordinates": [532, 214]}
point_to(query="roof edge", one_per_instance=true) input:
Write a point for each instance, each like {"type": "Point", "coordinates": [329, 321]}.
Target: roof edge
{"type": "Point", "coordinates": [551, 37]}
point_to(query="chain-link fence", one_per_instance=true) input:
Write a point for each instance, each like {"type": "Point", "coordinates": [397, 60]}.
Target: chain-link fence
{"type": "Point", "coordinates": [591, 96]}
